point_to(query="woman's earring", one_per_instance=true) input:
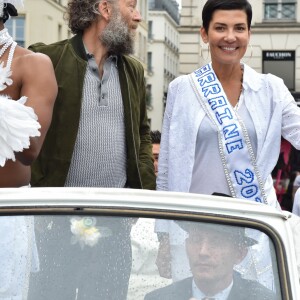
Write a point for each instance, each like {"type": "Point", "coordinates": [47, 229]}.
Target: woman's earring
{"type": "Point", "coordinates": [208, 53]}
{"type": "Point", "coordinates": [251, 54]}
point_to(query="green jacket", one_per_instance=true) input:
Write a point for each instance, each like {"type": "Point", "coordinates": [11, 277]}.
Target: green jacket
{"type": "Point", "coordinates": [70, 62]}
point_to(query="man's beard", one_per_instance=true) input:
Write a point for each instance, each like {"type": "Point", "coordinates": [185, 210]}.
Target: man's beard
{"type": "Point", "coordinates": [117, 37]}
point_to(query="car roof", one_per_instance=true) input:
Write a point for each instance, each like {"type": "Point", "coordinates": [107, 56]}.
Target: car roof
{"type": "Point", "coordinates": [141, 203]}
{"type": "Point", "coordinates": [128, 197]}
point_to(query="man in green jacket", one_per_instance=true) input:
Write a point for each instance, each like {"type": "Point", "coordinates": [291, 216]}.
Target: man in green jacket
{"type": "Point", "coordinates": [99, 135]}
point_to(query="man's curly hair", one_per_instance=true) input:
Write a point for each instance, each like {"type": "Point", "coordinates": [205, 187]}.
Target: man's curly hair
{"type": "Point", "coordinates": [82, 13]}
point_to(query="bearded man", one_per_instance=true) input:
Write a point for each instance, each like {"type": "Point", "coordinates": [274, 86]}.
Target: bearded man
{"type": "Point", "coordinates": [99, 137]}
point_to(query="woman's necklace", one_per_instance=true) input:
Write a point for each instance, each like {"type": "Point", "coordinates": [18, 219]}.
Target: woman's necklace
{"type": "Point", "coordinates": [4, 36]}
{"type": "Point", "coordinates": [236, 107]}
{"type": "Point", "coordinates": [6, 41]}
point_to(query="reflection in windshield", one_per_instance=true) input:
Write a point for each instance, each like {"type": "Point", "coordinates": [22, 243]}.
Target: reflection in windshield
{"type": "Point", "coordinates": [18, 254]}
{"type": "Point", "coordinates": [215, 253]}
{"type": "Point", "coordinates": [82, 258]}
{"type": "Point", "coordinates": [91, 257]}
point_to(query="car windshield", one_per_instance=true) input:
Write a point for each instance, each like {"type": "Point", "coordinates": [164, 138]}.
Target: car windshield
{"type": "Point", "coordinates": [120, 257]}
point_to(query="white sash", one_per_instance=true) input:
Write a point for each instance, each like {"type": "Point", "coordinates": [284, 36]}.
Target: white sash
{"type": "Point", "coordinates": [237, 156]}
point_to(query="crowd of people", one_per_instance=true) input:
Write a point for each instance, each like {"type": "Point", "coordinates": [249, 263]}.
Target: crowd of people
{"type": "Point", "coordinates": [83, 103]}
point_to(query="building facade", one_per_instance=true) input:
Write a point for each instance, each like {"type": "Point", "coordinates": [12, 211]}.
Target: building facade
{"type": "Point", "coordinates": [162, 56]}
{"type": "Point", "coordinates": [39, 21]}
{"type": "Point", "coordinates": [142, 34]}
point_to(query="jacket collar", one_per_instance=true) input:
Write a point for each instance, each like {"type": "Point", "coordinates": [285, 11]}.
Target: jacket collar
{"type": "Point", "coordinates": [252, 79]}
{"type": "Point", "coordinates": [78, 46]}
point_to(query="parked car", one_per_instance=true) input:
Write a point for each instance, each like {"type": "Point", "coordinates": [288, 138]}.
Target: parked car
{"type": "Point", "coordinates": [56, 234]}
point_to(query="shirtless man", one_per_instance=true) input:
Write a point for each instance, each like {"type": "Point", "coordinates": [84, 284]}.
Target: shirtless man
{"type": "Point", "coordinates": [32, 76]}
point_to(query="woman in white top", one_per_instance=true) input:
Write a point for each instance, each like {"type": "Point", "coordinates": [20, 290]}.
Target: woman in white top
{"type": "Point", "coordinates": [223, 123]}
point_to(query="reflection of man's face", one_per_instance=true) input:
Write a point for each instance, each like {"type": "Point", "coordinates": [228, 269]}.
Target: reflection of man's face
{"type": "Point", "coordinates": [155, 151]}
{"type": "Point", "coordinates": [212, 256]}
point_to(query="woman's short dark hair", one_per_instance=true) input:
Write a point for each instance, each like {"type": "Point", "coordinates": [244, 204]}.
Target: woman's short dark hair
{"type": "Point", "coordinates": [212, 5]}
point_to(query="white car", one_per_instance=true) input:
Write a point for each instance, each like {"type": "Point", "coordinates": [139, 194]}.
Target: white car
{"type": "Point", "coordinates": [89, 243]}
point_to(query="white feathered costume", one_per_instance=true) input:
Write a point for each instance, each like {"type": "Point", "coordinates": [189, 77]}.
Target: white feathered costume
{"type": "Point", "coordinates": [17, 122]}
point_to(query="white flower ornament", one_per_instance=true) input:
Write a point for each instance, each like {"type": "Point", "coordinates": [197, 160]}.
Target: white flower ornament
{"type": "Point", "coordinates": [85, 232]}
{"type": "Point", "coordinates": [18, 123]}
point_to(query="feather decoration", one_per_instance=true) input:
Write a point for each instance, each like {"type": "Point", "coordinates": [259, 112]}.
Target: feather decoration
{"type": "Point", "coordinates": [5, 79]}
{"type": "Point", "coordinates": [17, 124]}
